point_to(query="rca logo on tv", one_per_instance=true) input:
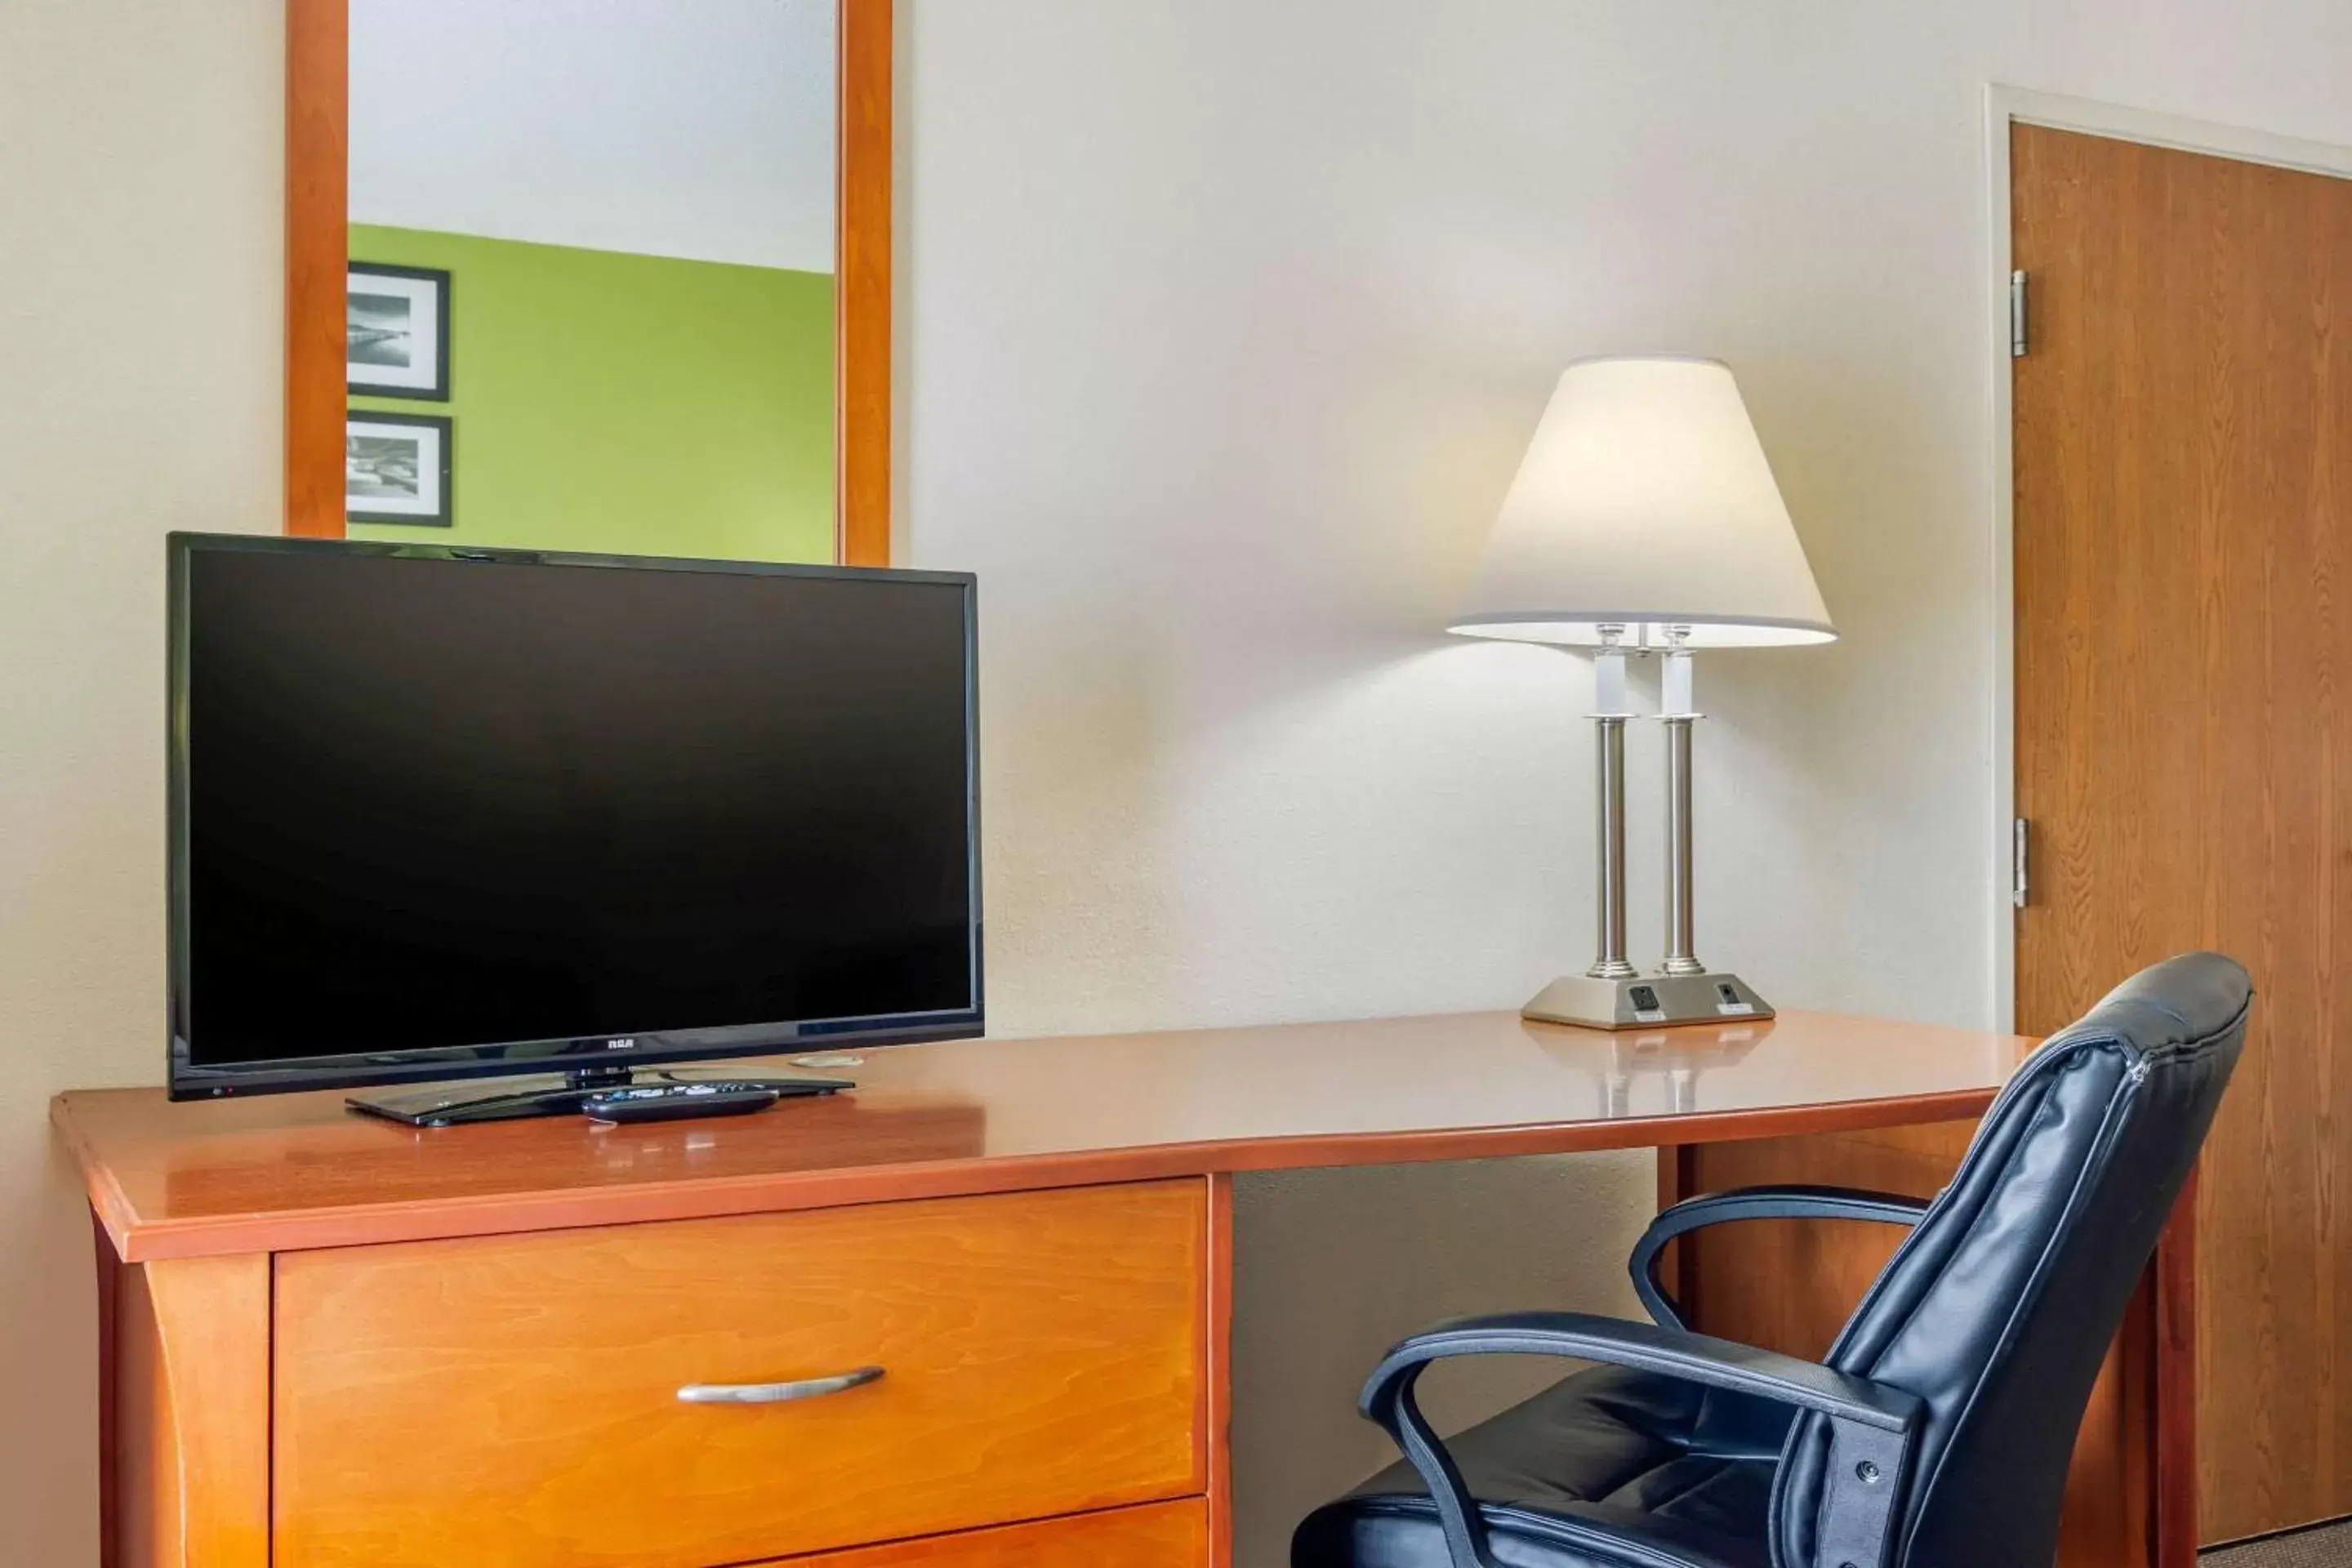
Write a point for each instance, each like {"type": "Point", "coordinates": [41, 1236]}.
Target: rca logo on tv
{"type": "Point", "coordinates": [626, 1043]}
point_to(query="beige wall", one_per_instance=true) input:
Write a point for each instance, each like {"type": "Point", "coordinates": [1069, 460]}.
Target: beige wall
{"type": "Point", "coordinates": [139, 392]}
{"type": "Point", "coordinates": [1224, 324]}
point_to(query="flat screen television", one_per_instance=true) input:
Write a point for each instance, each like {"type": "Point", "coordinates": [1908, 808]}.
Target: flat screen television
{"type": "Point", "coordinates": [441, 814]}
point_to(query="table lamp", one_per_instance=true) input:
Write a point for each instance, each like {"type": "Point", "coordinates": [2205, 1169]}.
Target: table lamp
{"type": "Point", "coordinates": [1643, 520]}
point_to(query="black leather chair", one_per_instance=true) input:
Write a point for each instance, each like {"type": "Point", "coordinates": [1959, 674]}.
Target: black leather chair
{"type": "Point", "coordinates": [1938, 1432]}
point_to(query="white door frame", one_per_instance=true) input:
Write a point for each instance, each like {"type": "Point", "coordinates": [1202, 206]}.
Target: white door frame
{"type": "Point", "coordinates": [2005, 106]}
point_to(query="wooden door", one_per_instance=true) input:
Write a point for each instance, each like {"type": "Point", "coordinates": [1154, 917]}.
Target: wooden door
{"type": "Point", "coordinates": [2183, 437]}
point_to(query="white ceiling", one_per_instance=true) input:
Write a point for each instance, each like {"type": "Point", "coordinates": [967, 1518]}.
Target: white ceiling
{"type": "Point", "coordinates": [692, 128]}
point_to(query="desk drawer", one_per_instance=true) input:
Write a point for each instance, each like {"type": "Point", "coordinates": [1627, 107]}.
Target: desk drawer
{"type": "Point", "coordinates": [513, 1401]}
{"type": "Point", "coordinates": [1158, 1535]}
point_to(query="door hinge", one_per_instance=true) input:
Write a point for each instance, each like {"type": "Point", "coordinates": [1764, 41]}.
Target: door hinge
{"type": "Point", "coordinates": [2017, 315]}
{"type": "Point", "coordinates": [2017, 862]}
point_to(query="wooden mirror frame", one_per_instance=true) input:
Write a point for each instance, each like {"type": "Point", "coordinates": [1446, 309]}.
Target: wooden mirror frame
{"type": "Point", "coordinates": [317, 218]}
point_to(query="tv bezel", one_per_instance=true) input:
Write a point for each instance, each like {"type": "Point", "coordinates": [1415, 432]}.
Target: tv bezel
{"type": "Point", "coordinates": [188, 1080]}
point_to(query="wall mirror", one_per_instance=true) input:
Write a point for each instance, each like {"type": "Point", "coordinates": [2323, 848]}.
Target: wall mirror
{"type": "Point", "coordinates": [596, 275]}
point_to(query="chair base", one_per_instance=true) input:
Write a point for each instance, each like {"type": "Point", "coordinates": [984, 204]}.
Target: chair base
{"type": "Point", "coordinates": [1645, 1001]}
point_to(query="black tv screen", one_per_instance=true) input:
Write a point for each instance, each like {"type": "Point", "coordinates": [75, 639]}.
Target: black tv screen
{"type": "Point", "coordinates": [438, 813]}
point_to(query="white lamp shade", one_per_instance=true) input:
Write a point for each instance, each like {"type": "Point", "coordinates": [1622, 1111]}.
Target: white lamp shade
{"type": "Point", "coordinates": [1645, 501]}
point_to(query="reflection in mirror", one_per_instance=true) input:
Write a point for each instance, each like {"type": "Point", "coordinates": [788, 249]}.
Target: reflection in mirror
{"type": "Point", "coordinates": [592, 294]}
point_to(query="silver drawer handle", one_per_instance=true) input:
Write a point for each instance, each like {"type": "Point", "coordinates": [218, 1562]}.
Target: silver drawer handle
{"type": "Point", "coordinates": [776, 1392]}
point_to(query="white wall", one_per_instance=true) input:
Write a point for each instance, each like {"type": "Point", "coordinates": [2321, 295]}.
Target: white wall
{"type": "Point", "coordinates": [1224, 324]}
{"type": "Point", "coordinates": [141, 255]}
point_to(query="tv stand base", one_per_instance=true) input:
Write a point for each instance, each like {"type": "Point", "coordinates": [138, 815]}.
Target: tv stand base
{"type": "Point", "coordinates": [590, 1090]}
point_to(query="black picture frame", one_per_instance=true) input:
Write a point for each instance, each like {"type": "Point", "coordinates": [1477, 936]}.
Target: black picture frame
{"type": "Point", "coordinates": [437, 506]}
{"type": "Point", "coordinates": [409, 287]}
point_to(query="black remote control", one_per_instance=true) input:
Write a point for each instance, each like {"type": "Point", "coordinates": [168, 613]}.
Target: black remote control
{"type": "Point", "coordinates": [677, 1101]}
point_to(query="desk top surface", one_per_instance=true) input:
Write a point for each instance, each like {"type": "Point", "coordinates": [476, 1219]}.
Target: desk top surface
{"type": "Point", "coordinates": [298, 1171]}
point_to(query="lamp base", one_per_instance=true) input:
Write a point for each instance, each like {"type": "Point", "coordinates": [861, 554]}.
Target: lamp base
{"type": "Point", "coordinates": [1645, 1001]}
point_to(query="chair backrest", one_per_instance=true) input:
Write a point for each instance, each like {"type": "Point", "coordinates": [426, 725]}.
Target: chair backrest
{"type": "Point", "coordinates": [1999, 1308]}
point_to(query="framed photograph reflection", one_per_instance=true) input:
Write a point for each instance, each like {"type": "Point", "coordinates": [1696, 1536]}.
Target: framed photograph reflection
{"type": "Point", "coordinates": [397, 469]}
{"type": "Point", "coordinates": [396, 331]}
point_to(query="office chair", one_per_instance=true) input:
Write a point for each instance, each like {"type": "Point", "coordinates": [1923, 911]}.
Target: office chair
{"type": "Point", "coordinates": [1938, 1432]}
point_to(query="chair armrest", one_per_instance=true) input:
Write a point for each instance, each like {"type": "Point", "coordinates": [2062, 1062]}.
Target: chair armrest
{"type": "Point", "coordinates": [1751, 1202]}
{"type": "Point", "coordinates": [1646, 1347]}
{"type": "Point", "coordinates": [1872, 1424]}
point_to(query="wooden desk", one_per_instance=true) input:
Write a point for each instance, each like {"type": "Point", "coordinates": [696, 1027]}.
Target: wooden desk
{"type": "Point", "coordinates": [330, 1341]}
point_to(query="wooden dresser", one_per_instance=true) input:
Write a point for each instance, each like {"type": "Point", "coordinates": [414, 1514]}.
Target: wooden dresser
{"type": "Point", "coordinates": [332, 1342]}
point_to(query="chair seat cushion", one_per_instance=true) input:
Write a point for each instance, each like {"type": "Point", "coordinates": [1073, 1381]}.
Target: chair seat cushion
{"type": "Point", "coordinates": [1609, 1469]}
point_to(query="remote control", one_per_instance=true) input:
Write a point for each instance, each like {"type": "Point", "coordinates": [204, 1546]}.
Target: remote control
{"type": "Point", "coordinates": [676, 1102]}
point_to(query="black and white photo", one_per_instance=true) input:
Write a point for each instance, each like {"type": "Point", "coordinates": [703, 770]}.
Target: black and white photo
{"type": "Point", "coordinates": [396, 469]}
{"type": "Point", "coordinates": [396, 331]}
